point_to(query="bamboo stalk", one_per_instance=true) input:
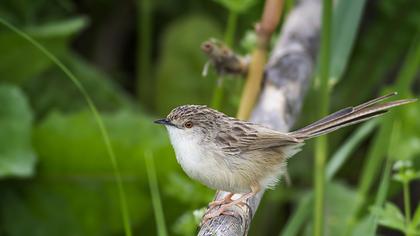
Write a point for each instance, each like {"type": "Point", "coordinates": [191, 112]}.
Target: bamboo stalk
{"type": "Point", "coordinates": [264, 30]}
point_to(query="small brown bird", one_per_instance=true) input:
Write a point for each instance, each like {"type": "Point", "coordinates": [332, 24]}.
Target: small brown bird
{"type": "Point", "coordinates": [236, 156]}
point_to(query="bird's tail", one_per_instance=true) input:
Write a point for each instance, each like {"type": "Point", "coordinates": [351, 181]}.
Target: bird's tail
{"type": "Point", "coordinates": [348, 116]}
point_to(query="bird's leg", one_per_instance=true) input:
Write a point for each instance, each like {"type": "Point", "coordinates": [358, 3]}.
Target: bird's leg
{"type": "Point", "coordinates": [225, 200]}
{"type": "Point", "coordinates": [242, 200]}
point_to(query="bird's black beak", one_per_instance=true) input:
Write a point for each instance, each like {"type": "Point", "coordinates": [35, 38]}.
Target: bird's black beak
{"type": "Point", "coordinates": [163, 122]}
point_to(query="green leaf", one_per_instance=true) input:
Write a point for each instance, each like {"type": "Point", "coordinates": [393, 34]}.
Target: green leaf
{"type": "Point", "coordinates": [237, 6]}
{"type": "Point", "coordinates": [59, 28]}
{"type": "Point", "coordinates": [338, 195]}
{"type": "Point", "coordinates": [364, 227]}
{"type": "Point", "coordinates": [299, 216]}
{"type": "Point", "coordinates": [69, 206]}
{"type": "Point", "coordinates": [334, 164]}
{"type": "Point", "coordinates": [185, 224]}
{"type": "Point", "coordinates": [75, 138]}
{"type": "Point", "coordinates": [76, 177]}
{"type": "Point", "coordinates": [343, 153]}
{"type": "Point", "coordinates": [390, 216]}
{"type": "Point", "coordinates": [187, 191]}
{"type": "Point", "coordinates": [62, 95]}
{"type": "Point", "coordinates": [408, 145]}
{"type": "Point", "coordinates": [347, 16]}
{"type": "Point", "coordinates": [416, 218]}
{"type": "Point", "coordinates": [17, 157]}
{"type": "Point", "coordinates": [21, 61]}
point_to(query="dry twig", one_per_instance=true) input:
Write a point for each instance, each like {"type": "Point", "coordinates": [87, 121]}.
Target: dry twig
{"type": "Point", "coordinates": [288, 75]}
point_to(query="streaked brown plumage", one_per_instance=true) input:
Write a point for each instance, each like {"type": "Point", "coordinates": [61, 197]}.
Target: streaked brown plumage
{"type": "Point", "coordinates": [237, 156]}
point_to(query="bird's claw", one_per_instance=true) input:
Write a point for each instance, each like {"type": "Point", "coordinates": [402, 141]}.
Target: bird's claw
{"type": "Point", "coordinates": [211, 214]}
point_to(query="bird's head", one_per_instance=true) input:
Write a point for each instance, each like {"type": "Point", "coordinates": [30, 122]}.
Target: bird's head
{"type": "Point", "coordinates": [192, 121]}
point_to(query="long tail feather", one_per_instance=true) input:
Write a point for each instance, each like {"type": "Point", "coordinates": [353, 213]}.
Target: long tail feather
{"type": "Point", "coordinates": [348, 116]}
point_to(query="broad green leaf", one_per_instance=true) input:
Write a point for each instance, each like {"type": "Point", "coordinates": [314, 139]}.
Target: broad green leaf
{"type": "Point", "coordinates": [187, 191]}
{"type": "Point", "coordinates": [363, 227]}
{"type": "Point", "coordinates": [390, 216]}
{"type": "Point", "coordinates": [179, 79]}
{"type": "Point", "coordinates": [17, 157]}
{"type": "Point", "coordinates": [70, 145]}
{"type": "Point", "coordinates": [341, 199]}
{"type": "Point", "coordinates": [20, 60]}
{"type": "Point", "coordinates": [62, 95]}
{"type": "Point", "coordinates": [76, 177]}
{"type": "Point", "coordinates": [67, 206]}
{"type": "Point", "coordinates": [347, 15]}
{"type": "Point", "coordinates": [185, 224]}
{"type": "Point", "coordinates": [334, 164]}
{"type": "Point", "coordinates": [58, 28]}
{"type": "Point", "coordinates": [408, 145]}
{"type": "Point", "coordinates": [237, 6]}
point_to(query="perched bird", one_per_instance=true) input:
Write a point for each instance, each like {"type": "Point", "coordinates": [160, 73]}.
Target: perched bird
{"type": "Point", "coordinates": [236, 156]}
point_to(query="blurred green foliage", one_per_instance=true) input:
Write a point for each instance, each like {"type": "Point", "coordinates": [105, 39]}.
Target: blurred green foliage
{"type": "Point", "coordinates": [182, 57]}
{"type": "Point", "coordinates": [56, 178]}
{"type": "Point", "coordinates": [17, 158]}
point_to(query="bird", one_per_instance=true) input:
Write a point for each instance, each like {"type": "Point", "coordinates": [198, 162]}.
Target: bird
{"type": "Point", "coordinates": [241, 157]}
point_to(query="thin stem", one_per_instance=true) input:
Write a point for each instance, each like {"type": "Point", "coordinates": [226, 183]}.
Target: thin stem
{"type": "Point", "coordinates": [98, 119]}
{"type": "Point", "coordinates": [216, 101]}
{"type": "Point", "coordinates": [154, 189]}
{"type": "Point", "coordinates": [321, 148]}
{"type": "Point", "coordinates": [231, 28]}
{"type": "Point", "coordinates": [407, 206]}
{"type": "Point", "coordinates": [229, 36]}
{"type": "Point", "coordinates": [294, 225]}
{"type": "Point", "coordinates": [320, 157]}
{"type": "Point", "coordinates": [384, 185]}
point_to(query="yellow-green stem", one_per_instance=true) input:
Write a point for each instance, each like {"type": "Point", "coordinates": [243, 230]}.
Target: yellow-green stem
{"type": "Point", "coordinates": [321, 145]}
{"type": "Point", "coordinates": [407, 207]}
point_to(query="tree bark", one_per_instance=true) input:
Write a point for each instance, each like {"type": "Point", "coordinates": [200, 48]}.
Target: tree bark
{"type": "Point", "coordinates": [287, 77]}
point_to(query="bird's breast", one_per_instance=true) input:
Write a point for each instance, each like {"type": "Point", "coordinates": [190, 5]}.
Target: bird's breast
{"type": "Point", "coordinates": [203, 162]}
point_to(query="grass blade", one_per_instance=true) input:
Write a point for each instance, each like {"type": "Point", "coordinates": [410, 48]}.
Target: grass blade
{"type": "Point", "coordinates": [321, 144]}
{"type": "Point", "coordinates": [294, 225]}
{"type": "Point", "coordinates": [370, 170]}
{"type": "Point", "coordinates": [347, 16]}
{"type": "Point", "coordinates": [410, 68]}
{"type": "Point", "coordinates": [338, 159]}
{"type": "Point", "coordinates": [98, 119]}
{"type": "Point", "coordinates": [343, 153]}
{"type": "Point", "coordinates": [216, 101]}
{"type": "Point", "coordinates": [154, 190]}
{"type": "Point", "coordinates": [383, 186]}
{"type": "Point", "coordinates": [416, 217]}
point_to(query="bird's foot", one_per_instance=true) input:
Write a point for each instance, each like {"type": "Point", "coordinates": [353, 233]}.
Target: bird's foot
{"type": "Point", "coordinates": [217, 212]}
{"type": "Point", "coordinates": [225, 200]}
{"type": "Point", "coordinates": [224, 208]}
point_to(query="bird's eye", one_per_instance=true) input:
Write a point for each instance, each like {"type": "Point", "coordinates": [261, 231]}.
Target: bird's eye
{"type": "Point", "coordinates": [188, 124]}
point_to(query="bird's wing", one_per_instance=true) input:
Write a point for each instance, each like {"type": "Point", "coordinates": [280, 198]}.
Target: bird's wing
{"type": "Point", "coordinates": [243, 137]}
